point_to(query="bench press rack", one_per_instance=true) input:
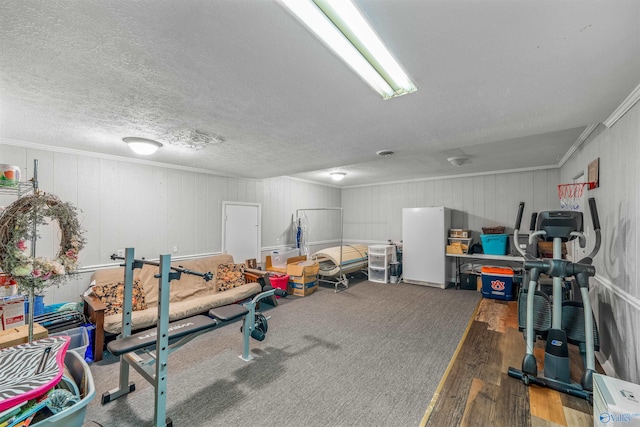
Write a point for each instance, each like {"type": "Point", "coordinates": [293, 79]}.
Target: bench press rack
{"type": "Point", "coordinates": [168, 337]}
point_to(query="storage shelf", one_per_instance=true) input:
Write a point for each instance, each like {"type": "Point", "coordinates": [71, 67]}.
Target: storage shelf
{"type": "Point", "coordinates": [19, 189]}
{"type": "Point", "coordinates": [379, 260]}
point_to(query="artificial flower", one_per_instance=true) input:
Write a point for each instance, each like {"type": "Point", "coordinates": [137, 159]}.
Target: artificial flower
{"type": "Point", "coordinates": [22, 245]}
{"type": "Point", "coordinates": [22, 270]}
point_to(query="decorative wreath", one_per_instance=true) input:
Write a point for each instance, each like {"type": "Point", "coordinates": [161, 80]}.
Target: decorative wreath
{"type": "Point", "coordinates": [18, 227]}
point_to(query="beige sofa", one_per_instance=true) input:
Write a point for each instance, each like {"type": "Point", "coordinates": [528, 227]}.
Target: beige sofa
{"type": "Point", "coordinates": [189, 296]}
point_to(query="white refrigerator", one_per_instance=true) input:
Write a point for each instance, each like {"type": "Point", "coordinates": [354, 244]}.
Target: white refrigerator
{"type": "Point", "coordinates": [424, 240]}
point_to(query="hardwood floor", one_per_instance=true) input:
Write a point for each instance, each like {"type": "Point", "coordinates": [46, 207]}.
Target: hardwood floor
{"type": "Point", "coordinates": [476, 390]}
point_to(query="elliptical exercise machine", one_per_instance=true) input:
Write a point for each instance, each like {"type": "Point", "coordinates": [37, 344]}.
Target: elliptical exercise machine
{"type": "Point", "coordinates": [564, 323]}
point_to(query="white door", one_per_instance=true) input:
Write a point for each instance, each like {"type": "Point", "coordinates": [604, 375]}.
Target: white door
{"type": "Point", "coordinates": [241, 230]}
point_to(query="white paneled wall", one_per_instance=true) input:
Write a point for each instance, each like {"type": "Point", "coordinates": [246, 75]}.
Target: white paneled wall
{"type": "Point", "coordinates": [154, 208]}
{"type": "Point", "coordinates": [374, 213]}
{"type": "Point", "coordinates": [615, 292]}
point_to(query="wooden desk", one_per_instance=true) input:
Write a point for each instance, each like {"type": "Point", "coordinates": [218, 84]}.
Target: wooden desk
{"type": "Point", "coordinates": [482, 259]}
{"type": "Point", "coordinates": [20, 335]}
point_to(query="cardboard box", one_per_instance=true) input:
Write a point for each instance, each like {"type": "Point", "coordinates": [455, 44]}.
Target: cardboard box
{"type": "Point", "coordinates": [302, 289]}
{"type": "Point", "coordinates": [455, 248]}
{"type": "Point", "coordinates": [545, 250]}
{"type": "Point", "coordinates": [304, 268]}
{"type": "Point", "coordinates": [11, 313]}
{"type": "Point", "coordinates": [459, 232]}
{"type": "Point", "coordinates": [304, 279]}
{"type": "Point", "coordinates": [20, 335]}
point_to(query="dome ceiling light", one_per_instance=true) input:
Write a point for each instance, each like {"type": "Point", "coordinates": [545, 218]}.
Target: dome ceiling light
{"type": "Point", "coordinates": [142, 146]}
{"type": "Point", "coordinates": [338, 176]}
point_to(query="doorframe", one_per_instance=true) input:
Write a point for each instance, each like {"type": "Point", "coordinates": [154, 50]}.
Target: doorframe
{"type": "Point", "coordinates": [259, 228]}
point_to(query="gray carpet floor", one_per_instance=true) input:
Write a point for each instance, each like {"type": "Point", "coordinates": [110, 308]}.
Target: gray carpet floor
{"type": "Point", "coordinates": [371, 355]}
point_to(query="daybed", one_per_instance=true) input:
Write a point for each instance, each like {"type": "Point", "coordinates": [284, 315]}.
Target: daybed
{"type": "Point", "coordinates": [190, 295]}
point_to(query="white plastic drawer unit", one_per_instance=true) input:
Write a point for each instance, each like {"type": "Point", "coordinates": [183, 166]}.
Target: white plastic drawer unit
{"type": "Point", "coordinates": [379, 261]}
{"type": "Point", "coordinates": [380, 250]}
{"type": "Point", "coordinates": [380, 275]}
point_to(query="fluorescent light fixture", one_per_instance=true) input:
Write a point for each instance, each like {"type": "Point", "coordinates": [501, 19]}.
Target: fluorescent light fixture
{"type": "Point", "coordinates": [337, 176]}
{"type": "Point", "coordinates": [343, 28]}
{"type": "Point", "coordinates": [142, 146]}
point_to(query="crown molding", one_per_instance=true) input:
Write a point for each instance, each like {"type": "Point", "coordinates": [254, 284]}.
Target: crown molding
{"type": "Point", "coordinates": [103, 156]}
{"type": "Point", "coordinates": [623, 108]}
{"type": "Point", "coordinates": [581, 139]}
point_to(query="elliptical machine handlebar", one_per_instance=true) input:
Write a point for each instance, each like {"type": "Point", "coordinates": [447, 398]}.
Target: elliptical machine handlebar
{"type": "Point", "coordinates": [596, 228]}
{"type": "Point", "coordinates": [519, 217]}
{"type": "Point", "coordinates": [532, 223]}
{"type": "Point", "coordinates": [516, 230]}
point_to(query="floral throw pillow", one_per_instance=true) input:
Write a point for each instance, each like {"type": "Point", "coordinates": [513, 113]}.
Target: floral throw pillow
{"type": "Point", "coordinates": [112, 296]}
{"type": "Point", "coordinates": [229, 276]}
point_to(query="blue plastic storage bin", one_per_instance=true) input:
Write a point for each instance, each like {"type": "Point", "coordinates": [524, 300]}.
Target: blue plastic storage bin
{"type": "Point", "coordinates": [74, 415]}
{"type": "Point", "coordinates": [494, 244]}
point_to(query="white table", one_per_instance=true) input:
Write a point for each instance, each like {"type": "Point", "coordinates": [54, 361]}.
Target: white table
{"type": "Point", "coordinates": [481, 258]}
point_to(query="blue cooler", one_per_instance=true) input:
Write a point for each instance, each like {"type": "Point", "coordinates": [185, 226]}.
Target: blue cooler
{"type": "Point", "coordinates": [497, 283]}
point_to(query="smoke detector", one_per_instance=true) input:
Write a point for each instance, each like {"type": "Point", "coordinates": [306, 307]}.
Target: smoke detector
{"type": "Point", "coordinates": [458, 160]}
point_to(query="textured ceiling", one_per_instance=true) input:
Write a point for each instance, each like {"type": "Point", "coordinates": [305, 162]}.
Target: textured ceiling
{"type": "Point", "coordinates": [242, 88]}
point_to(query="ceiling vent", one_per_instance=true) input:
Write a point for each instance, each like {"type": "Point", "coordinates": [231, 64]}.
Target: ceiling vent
{"type": "Point", "coordinates": [384, 153]}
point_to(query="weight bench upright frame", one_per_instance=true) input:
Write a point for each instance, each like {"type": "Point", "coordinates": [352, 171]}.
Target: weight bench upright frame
{"type": "Point", "coordinates": [158, 376]}
{"type": "Point", "coordinates": [144, 366]}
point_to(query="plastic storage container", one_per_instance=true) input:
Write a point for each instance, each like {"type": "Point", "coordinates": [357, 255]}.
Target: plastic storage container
{"type": "Point", "coordinates": [279, 281]}
{"type": "Point", "coordinates": [379, 275]}
{"type": "Point", "coordinates": [79, 339]}
{"type": "Point", "coordinates": [379, 261]}
{"type": "Point", "coordinates": [494, 244]}
{"type": "Point", "coordinates": [497, 283]}
{"type": "Point", "coordinates": [381, 250]}
{"type": "Point", "coordinates": [74, 415]}
{"type": "Point", "coordinates": [279, 258]}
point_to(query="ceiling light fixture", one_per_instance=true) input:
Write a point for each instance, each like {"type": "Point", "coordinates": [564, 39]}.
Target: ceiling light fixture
{"type": "Point", "coordinates": [142, 146]}
{"type": "Point", "coordinates": [342, 27]}
{"type": "Point", "coordinates": [337, 176]}
{"type": "Point", "coordinates": [458, 160]}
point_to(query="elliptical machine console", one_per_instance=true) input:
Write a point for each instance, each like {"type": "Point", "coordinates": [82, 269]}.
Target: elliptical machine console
{"type": "Point", "coordinates": [567, 325]}
{"type": "Point", "coordinates": [560, 224]}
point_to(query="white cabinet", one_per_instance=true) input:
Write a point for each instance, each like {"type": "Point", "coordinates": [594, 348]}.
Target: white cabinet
{"type": "Point", "coordinates": [379, 260]}
{"type": "Point", "coordinates": [424, 237]}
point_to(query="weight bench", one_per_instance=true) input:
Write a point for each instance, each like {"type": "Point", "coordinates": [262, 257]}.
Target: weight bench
{"type": "Point", "coordinates": [189, 328]}
{"type": "Point", "coordinates": [168, 337]}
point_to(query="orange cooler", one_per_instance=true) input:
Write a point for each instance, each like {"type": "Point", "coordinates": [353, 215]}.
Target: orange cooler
{"type": "Point", "coordinates": [497, 283]}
